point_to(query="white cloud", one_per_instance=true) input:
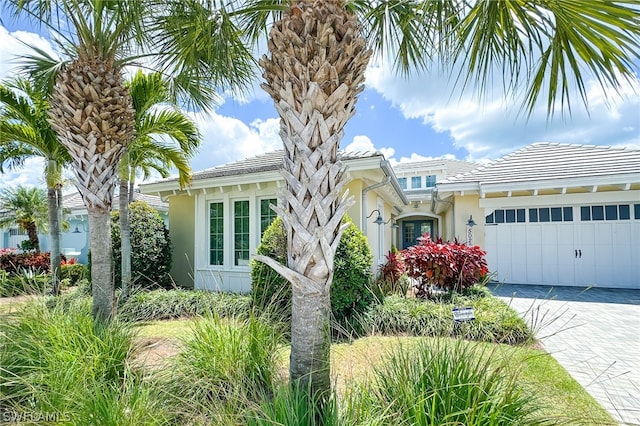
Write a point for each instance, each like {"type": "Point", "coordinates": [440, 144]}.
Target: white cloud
{"type": "Point", "coordinates": [362, 143]}
{"type": "Point", "coordinates": [31, 174]}
{"type": "Point", "coordinates": [494, 126]}
{"type": "Point", "coordinates": [227, 139]}
{"type": "Point", "coordinates": [15, 44]}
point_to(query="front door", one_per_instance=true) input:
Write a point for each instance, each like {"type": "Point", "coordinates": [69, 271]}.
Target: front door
{"type": "Point", "coordinates": [413, 229]}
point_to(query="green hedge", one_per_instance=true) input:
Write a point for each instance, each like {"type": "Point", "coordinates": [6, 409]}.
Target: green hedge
{"type": "Point", "coordinates": [350, 291]}
{"type": "Point", "coordinates": [495, 320]}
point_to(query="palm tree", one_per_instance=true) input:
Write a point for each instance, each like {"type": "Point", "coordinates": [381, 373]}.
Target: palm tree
{"type": "Point", "coordinates": [165, 138]}
{"type": "Point", "coordinates": [27, 208]}
{"type": "Point", "coordinates": [318, 52]}
{"type": "Point", "coordinates": [25, 133]}
{"type": "Point", "coordinates": [194, 43]}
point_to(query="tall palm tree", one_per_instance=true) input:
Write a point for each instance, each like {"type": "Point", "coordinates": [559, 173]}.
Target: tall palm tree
{"type": "Point", "coordinates": [193, 43]}
{"type": "Point", "coordinates": [25, 133]}
{"type": "Point", "coordinates": [27, 208]}
{"type": "Point", "coordinates": [318, 52]}
{"type": "Point", "coordinates": [165, 138]}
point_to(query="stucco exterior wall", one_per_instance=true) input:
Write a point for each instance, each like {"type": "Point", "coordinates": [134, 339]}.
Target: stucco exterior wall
{"type": "Point", "coordinates": [465, 206]}
{"type": "Point", "coordinates": [182, 232]}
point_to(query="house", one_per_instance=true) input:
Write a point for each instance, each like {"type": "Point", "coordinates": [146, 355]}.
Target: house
{"type": "Point", "coordinates": [544, 214]}
{"type": "Point", "coordinates": [75, 243]}
{"type": "Point", "coordinates": [554, 214]}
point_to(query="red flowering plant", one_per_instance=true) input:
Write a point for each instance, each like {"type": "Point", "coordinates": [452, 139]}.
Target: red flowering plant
{"type": "Point", "coordinates": [452, 266]}
{"type": "Point", "coordinates": [393, 268]}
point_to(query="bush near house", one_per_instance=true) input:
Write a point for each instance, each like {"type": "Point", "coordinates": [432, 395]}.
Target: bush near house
{"type": "Point", "coordinates": [14, 263]}
{"type": "Point", "coordinates": [452, 266]}
{"type": "Point", "coordinates": [350, 293]}
{"type": "Point", "coordinates": [150, 247]}
{"type": "Point", "coordinates": [74, 272]}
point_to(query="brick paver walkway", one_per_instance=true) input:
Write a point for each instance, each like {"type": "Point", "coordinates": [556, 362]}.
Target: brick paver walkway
{"type": "Point", "coordinates": [593, 333]}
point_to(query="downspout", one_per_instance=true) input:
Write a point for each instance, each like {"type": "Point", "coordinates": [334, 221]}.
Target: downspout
{"type": "Point", "coordinates": [434, 203]}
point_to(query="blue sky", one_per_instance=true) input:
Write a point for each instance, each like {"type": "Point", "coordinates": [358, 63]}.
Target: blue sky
{"type": "Point", "coordinates": [405, 118]}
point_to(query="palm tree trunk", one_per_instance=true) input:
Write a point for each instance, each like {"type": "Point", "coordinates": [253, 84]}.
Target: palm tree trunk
{"type": "Point", "coordinates": [125, 238]}
{"type": "Point", "coordinates": [131, 186]}
{"type": "Point", "coordinates": [54, 199]}
{"type": "Point", "coordinates": [101, 264]}
{"type": "Point", "coordinates": [314, 74]}
{"type": "Point", "coordinates": [32, 233]}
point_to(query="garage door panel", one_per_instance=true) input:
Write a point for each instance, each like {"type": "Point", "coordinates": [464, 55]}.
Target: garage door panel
{"type": "Point", "coordinates": [604, 253]}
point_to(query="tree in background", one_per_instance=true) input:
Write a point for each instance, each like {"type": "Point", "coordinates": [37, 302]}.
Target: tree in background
{"type": "Point", "coordinates": [26, 208]}
{"type": "Point", "coordinates": [166, 138]}
{"type": "Point", "coordinates": [195, 44]}
{"type": "Point", "coordinates": [25, 133]}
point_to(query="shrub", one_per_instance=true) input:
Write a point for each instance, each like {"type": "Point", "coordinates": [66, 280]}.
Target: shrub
{"type": "Point", "coordinates": [350, 292]}
{"type": "Point", "coordinates": [14, 263]}
{"type": "Point", "coordinates": [394, 268]}
{"type": "Point", "coordinates": [451, 266]}
{"type": "Point", "coordinates": [448, 383]}
{"type": "Point", "coordinates": [170, 304]}
{"type": "Point", "coordinates": [74, 272]}
{"type": "Point", "coordinates": [150, 247]}
{"type": "Point", "coordinates": [59, 361]}
{"type": "Point", "coordinates": [225, 364]}
{"type": "Point", "coordinates": [26, 282]}
{"type": "Point", "coordinates": [495, 320]}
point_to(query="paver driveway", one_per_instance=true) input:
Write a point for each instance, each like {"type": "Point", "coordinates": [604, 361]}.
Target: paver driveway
{"type": "Point", "coordinates": [594, 334]}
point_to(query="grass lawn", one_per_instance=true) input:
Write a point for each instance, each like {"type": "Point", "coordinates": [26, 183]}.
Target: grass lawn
{"type": "Point", "coordinates": [354, 362]}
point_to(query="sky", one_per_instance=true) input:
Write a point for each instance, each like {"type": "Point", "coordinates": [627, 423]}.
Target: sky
{"type": "Point", "coordinates": [406, 118]}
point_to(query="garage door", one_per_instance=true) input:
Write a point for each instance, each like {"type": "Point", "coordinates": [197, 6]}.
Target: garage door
{"type": "Point", "coordinates": [594, 245]}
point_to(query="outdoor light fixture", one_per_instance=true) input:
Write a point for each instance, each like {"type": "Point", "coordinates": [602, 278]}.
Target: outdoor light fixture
{"type": "Point", "coordinates": [470, 225]}
{"type": "Point", "coordinates": [76, 231]}
{"type": "Point", "coordinates": [395, 225]}
{"type": "Point", "coordinates": [379, 220]}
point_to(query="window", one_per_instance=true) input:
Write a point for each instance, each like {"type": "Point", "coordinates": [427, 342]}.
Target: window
{"type": "Point", "coordinates": [511, 215]}
{"type": "Point", "coordinates": [567, 213]}
{"type": "Point", "coordinates": [597, 213]}
{"type": "Point", "coordinates": [267, 215]}
{"type": "Point", "coordinates": [585, 213]}
{"type": "Point", "coordinates": [624, 212]}
{"type": "Point", "coordinates": [488, 218]}
{"type": "Point", "coordinates": [543, 214]}
{"type": "Point", "coordinates": [556, 214]}
{"type": "Point", "coordinates": [533, 215]}
{"type": "Point", "coordinates": [241, 232]}
{"type": "Point", "coordinates": [416, 182]}
{"type": "Point", "coordinates": [499, 215]}
{"type": "Point", "coordinates": [430, 181]}
{"type": "Point", "coordinates": [520, 215]}
{"type": "Point", "coordinates": [608, 212]}
{"type": "Point", "coordinates": [403, 182]}
{"type": "Point", "coordinates": [216, 234]}
{"type": "Point", "coordinates": [636, 211]}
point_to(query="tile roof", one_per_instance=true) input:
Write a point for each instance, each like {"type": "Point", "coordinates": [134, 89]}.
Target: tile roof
{"type": "Point", "coordinates": [73, 201]}
{"type": "Point", "coordinates": [451, 167]}
{"type": "Point", "coordinates": [269, 161]}
{"type": "Point", "coordinates": [552, 161]}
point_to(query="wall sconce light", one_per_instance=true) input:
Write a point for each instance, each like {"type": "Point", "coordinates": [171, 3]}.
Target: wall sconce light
{"type": "Point", "coordinates": [395, 225]}
{"type": "Point", "coordinates": [379, 220]}
{"type": "Point", "coordinates": [470, 224]}
{"type": "Point", "coordinates": [85, 228]}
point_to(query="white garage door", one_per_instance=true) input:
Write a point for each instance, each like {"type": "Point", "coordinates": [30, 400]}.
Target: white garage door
{"type": "Point", "coordinates": [594, 245]}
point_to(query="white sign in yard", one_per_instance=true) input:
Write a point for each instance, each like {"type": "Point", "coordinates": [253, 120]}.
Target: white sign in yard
{"type": "Point", "coordinates": [463, 314]}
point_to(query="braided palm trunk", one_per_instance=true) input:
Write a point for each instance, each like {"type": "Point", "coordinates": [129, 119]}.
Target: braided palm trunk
{"type": "Point", "coordinates": [314, 74]}
{"type": "Point", "coordinates": [92, 114]}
